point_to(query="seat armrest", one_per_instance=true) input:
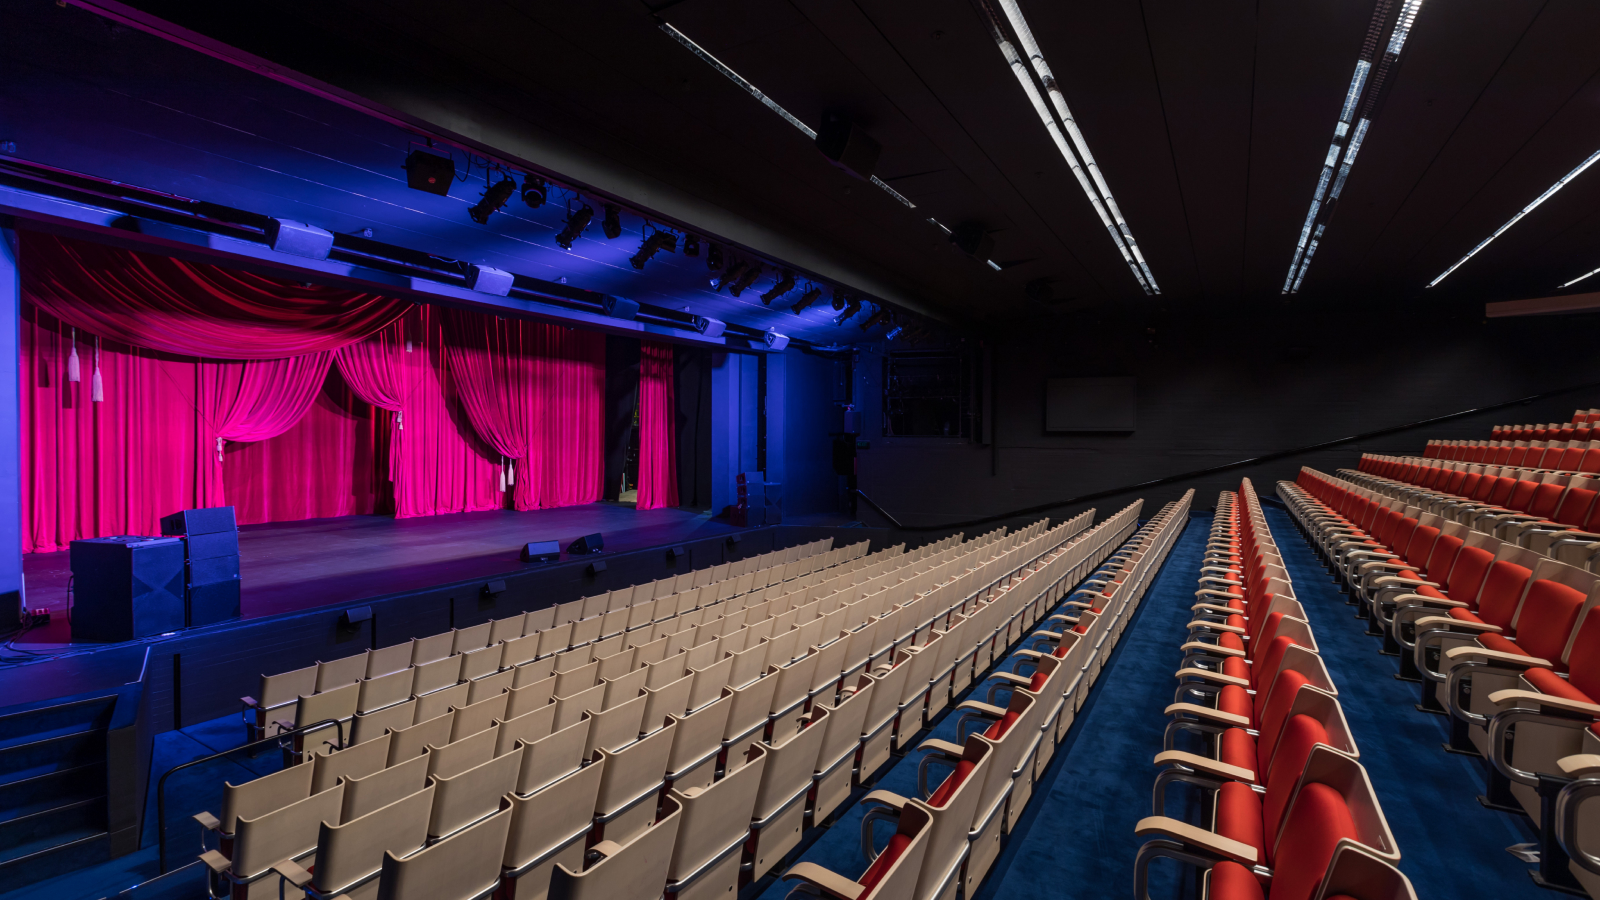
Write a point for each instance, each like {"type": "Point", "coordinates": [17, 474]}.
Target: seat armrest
{"type": "Point", "coordinates": [993, 712]}
{"type": "Point", "coordinates": [887, 798]}
{"type": "Point", "coordinates": [1456, 625]}
{"type": "Point", "coordinates": [1582, 765]}
{"type": "Point", "coordinates": [1425, 600]}
{"type": "Point", "coordinates": [1462, 654]}
{"type": "Point", "coordinates": [1206, 712]}
{"type": "Point", "coordinates": [1011, 679]}
{"type": "Point", "coordinates": [1513, 696]}
{"type": "Point", "coordinates": [208, 821]}
{"type": "Point", "coordinates": [947, 748]}
{"type": "Point", "coordinates": [827, 882]}
{"type": "Point", "coordinates": [215, 861]}
{"type": "Point", "coordinates": [1205, 764]}
{"type": "Point", "coordinates": [1198, 837]}
{"type": "Point", "coordinates": [1211, 648]}
{"type": "Point", "coordinates": [292, 872]}
{"type": "Point", "coordinates": [249, 702]}
{"type": "Point", "coordinates": [1208, 675]}
{"type": "Point", "coordinates": [1215, 626]}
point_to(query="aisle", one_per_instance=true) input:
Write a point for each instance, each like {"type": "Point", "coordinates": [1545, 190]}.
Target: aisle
{"type": "Point", "coordinates": [1450, 846]}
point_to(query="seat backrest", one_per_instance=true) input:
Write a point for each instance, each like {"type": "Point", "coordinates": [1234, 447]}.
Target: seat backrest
{"type": "Point", "coordinates": [1503, 587]}
{"type": "Point", "coordinates": [635, 869]}
{"type": "Point", "coordinates": [952, 807]}
{"type": "Point", "coordinates": [284, 833]}
{"type": "Point", "coordinates": [259, 796]}
{"type": "Point", "coordinates": [1546, 618]}
{"type": "Point", "coordinates": [715, 817]}
{"type": "Point", "coordinates": [1356, 873]}
{"type": "Point", "coordinates": [366, 793]}
{"type": "Point", "coordinates": [353, 850]}
{"type": "Point", "coordinates": [544, 819]}
{"type": "Point", "coordinates": [893, 875]}
{"type": "Point", "coordinates": [463, 865]}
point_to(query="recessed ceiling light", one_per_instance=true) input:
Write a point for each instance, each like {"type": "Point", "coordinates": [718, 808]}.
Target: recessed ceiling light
{"type": "Point", "coordinates": [766, 101]}
{"type": "Point", "coordinates": [1548, 193]}
{"type": "Point", "coordinates": [1349, 132]}
{"type": "Point", "coordinates": [1090, 180]}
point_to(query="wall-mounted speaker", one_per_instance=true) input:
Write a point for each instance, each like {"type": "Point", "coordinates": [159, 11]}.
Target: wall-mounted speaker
{"type": "Point", "coordinates": [847, 146]}
{"type": "Point", "coordinates": [489, 280]}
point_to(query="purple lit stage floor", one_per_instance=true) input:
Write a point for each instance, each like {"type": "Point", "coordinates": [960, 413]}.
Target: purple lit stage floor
{"type": "Point", "coordinates": [289, 566]}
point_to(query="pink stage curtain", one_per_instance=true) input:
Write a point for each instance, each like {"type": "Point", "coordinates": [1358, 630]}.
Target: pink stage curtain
{"type": "Point", "coordinates": [658, 445]}
{"type": "Point", "coordinates": [251, 401]}
{"type": "Point", "coordinates": [194, 309]}
{"type": "Point", "coordinates": [534, 392]}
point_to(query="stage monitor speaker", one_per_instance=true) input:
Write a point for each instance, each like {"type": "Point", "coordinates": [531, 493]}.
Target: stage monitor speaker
{"type": "Point", "coordinates": [126, 587]}
{"type": "Point", "coordinates": [541, 551]}
{"type": "Point", "coordinates": [210, 546]}
{"type": "Point", "coordinates": [589, 543]}
{"type": "Point", "coordinates": [212, 520]}
{"type": "Point", "coordinates": [217, 601]}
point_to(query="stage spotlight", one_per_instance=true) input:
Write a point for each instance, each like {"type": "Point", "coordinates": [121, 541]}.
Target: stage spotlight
{"type": "Point", "coordinates": [429, 172]}
{"type": "Point", "coordinates": [533, 191]}
{"type": "Point", "coordinates": [882, 315]}
{"type": "Point", "coordinates": [748, 278]}
{"type": "Point", "coordinates": [731, 274]}
{"type": "Point", "coordinates": [493, 198]}
{"type": "Point", "coordinates": [838, 298]}
{"type": "Point", "coordinates": [612, 225]}
{"type": "Point", "coordinates": [850, 309]}
{"type": "Point", "coordinates": [713, 257]}
{"type": "Point", "coordinates": [785, 285]}
{"type": "Point", "coordinates": [691, 245]}
{"type": "Point", "coordinates": [576, 223]}
{"type": "Point", "coordinates": [894, 332]}
{"type": "Point", "coordinates": [660, 240]}
{"type": "Point", "coordinates": [806, 299]}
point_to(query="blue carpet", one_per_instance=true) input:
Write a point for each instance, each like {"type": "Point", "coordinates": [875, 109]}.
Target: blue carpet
{"type": "Point", "coordinates": [1450, 846]}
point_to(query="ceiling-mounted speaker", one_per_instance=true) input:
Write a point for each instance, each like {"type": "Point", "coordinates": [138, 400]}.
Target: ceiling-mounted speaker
{"type": "Point", "coordinates": [775, 341]}
{"type": "Point", "coordinates": [973, 239]}
{"type": "Point", "coordinates": [711, 328]}
{"type": "Point", "coordinates": [620, 307]}
{"type": "Point", "coordinates": [299, 239]}
{"type": "Point", "coordinates": [430, 172]}
{"type": "Point", "coordinates": [847, 146]}
{"type": "Point", "coordinates": [489, 280]}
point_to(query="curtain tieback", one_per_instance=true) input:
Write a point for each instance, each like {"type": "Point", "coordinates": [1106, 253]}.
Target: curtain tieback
{"type": "Point", "coordinates": [219, 448]}
{"type": "Point", "coordinates": [400, 420]}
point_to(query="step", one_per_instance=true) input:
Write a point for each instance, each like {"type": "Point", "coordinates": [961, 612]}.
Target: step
{"type": "Point", "coordinates": [23, 761]}
{"type": "Point", "coordinates": [56, 719]}
{"type": "Point", "coordinates": [47, 858]}
{"type": "Point", "coordinates": [53, 826]}
{"type": "Point", "coordinates": [42, 792]}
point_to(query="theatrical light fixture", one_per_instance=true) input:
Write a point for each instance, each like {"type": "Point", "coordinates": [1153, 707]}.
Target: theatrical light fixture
{"type": "Point", "coordinates": [576, 223]}
{"type": "Point", "coordinates": [429, 172]}
{"type": "Point", "coordinates": [713, 257]}
{"type": "Point", "coordinates": [766, 101]}
{"type": "Point", "coordinates": [691, 245]}
{"type": "Point", "coordinates": [658, 240]}
{"type": "Point", "coordinates": [1549, 192]}
{"type": "Point", "coordinates": [838, 298]}
{"type": "Point", "coordinates": [1098, 192]}
{"type": "Point", "coordinates": [809, 297]}
{"type": "Point", "coordinates": [993, 265]}
{"type": "Point", "coordinates": [894, 332]}
{"type": "Point", "coordinates": [533, 191]}
{"type": "Point", "coordinates": [612, 224]}
{"type": "Point", "coordinates": [1349, 132]}
{"type": "Point", "coordinates": [784, 285]}
{"type": "Point", "coordinates": [853, 307]}
{"type": "Point", "coordinates": [748, 278]}
{"type": "Point", "coordinates": [730, 274]}
{"type": "Point", "coordinates": [882, 315]}
{"type": "Point", "coordinates": [493, 198]}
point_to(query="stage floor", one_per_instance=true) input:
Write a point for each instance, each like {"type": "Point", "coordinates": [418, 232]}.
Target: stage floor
{"type": "Point", "coordinates": [290, 566]}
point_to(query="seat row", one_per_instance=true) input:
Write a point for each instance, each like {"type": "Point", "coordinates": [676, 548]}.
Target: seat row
{"type": "Point", "coordinates": [1577, 455]}
{"type": "Point", "coordinates": [971, 792]}
{"type": "Point", "coordinates": [1580, 419]}
{"type": "Point", "coordinates": [1554, 513]}
{"type": "Point", "coordinates": [552, 779]}
{"type": "Point", "coordinates": [1504, 641]}
{"type": "Point", "coordinates": [1286, 809]}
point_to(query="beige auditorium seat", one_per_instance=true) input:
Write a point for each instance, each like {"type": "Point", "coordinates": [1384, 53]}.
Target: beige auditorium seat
{"type": "Point", "coordinates": [637, 868]}
{"type": "Point", "coordinates": [289, 832]}
{"type": "Point", "coordinates": [464, 866]}
{"type": "Point", "coordinates": [951, 806]}
{"type": "Point", "coordinates": [779, 817]}
{"type": "Point", "coordinates": [835, 773]}
{"type": "Point", "coordinates": [713, 829]}
{"type": "Point", "coordinates": [548, 828]}
{"type": "Point", "coordinates": [349, 856]}
{"type": "Point", "coordinates": [893, 873]}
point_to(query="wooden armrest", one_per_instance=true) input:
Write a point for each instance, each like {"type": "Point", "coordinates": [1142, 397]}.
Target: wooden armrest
{"type": "Point", "coordinates": [208, 821]}
{"type": "Point", "coordinates": [1513, 695]}
{"type": "Point", "coordinates": [1456, 624]}
{"type": "Point", "coordinates": [1216, 626]}
{"type": "Point", "coordinates": [1511, 659]}
{"type": "Point", "coordinates": [1423, 600]}
{"type": "Point", "coordinates": [1212, 607]}
{"type": "Point", "coordinates": [827, 881]}
{"type": "Point", "coordinates": [292, 872]}
{"type": "Point", "coordinates": [1012, 679]}
{"type": "Point", "coordinates": [1208, 592]}
{"type": "Point", "coordinates": [249, 701]}
{"type": "Point", "coordinates": [1206, 712]}
{"type": "Point", "coordinates": [887, 798]}
{"type": "Point", "coordinates": [1581, 765]}
{"type": "Point", "coordinates": [1031, 654]}
{"type": "Point", "coordinates": [215, 861]}
{"type": "Point", "coordinates": [947, 748]}
{"type": "Point", "coordinates": [1199, 837]}
{"type": "Point", "coordinates": [1205, 764]}
{"type": "Point", "coordinates": [994, 712]}
{"type": "Point", "coordinates": [1211, 648]}
{"type": "Point", "coordinates": [1208, 675]}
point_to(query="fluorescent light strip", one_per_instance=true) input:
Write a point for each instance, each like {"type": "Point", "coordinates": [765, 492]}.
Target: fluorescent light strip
{"type": "Point", "coordinates": [1578, 279]}
{"type": "Point", "coordinates": [993, 265]}
{"type": "Point", "coordinates": [1036, 57]}
{"type": "Point", "coordinates": [766, 101]}
{"type": "Point", "coordinates": [1334, 171]}
{"type": "Point", "coordinates": [1549, 192]}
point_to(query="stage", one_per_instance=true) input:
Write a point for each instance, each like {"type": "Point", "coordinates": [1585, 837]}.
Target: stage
{"type": "Point", "coordinates": [288, 567]}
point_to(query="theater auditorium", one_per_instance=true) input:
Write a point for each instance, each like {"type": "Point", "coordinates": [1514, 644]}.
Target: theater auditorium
{"type": "Point", "coordinates": [799, 450]}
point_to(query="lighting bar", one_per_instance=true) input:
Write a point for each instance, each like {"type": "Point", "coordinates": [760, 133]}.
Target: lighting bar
{"type": "Point", "coordinates": [1578, 279]}
{"type": "Point", "coordinates": [1549, 192]}
{"type": "Point", "coordinates": [766, 101]}
{"type": "Point", "coordinates": [1348, 133]}
{"type": "Point", "coordinates": [1123, 234]}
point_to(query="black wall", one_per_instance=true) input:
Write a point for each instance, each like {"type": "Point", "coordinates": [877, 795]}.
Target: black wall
{"type": "Point", "coordinates": [1217, 389]}
{"type": "Point", "coordinates": [692, 395]}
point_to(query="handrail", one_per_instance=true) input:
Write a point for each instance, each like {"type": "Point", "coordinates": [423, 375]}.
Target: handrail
{"type": "Point", "coordinates": [1254, 460]}
{"type": "Point", "coordinates": [161, 786]}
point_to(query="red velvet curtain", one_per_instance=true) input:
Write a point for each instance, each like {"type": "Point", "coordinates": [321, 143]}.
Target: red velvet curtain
{"type": "Point", "coordinates": [658, 445]}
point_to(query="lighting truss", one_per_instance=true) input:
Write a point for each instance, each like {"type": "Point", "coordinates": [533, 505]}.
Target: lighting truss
{"type": "Point", "coordinates": [766, 101]}
{"type": "Point", "coordinates": [1370, 76]}
{"type": "Point", "coordinates": [1077, 154]}
{"type": "Point", "coordinates": [1548, 193]}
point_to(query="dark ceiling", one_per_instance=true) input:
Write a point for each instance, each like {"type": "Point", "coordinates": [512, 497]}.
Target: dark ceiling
{"type": "Point", "coordinates": [1210, 121]}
